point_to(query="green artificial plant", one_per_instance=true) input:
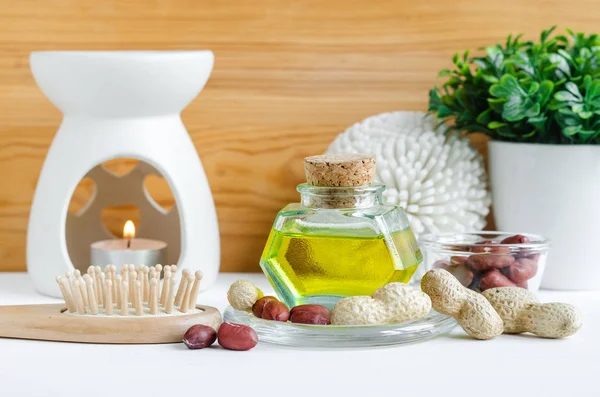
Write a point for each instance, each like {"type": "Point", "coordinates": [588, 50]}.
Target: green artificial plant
{"type": "Point", "coordinates": [526, 91]}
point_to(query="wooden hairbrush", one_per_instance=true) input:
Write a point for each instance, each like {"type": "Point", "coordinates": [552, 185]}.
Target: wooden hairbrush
{"type": "Point", "coordinates": [105, 307]}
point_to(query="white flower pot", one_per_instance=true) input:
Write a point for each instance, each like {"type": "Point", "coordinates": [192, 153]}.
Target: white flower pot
{"type": "Point", "coordinates": [552, 190]}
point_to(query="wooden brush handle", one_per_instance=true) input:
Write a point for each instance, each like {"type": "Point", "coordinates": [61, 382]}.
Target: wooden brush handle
{"type": "Point", "coordinates": [47, 322]}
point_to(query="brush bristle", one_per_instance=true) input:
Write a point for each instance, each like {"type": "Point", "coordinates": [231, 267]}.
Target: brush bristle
{"type": "Point", "coordinates": [136, 291]}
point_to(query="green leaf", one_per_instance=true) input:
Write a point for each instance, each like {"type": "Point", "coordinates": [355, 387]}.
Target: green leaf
{"type": "Point", "coordinates": [443, 111]}
{"type": "Point", "coordinates": [482, 63]}
{"type": "Point", "coordinates": [506, 133]}
{"type": "Point", "coordinates": [464, 117]}
{"type": "Point", "coordinates": [484, 117]}
{"type": "Point", "coordinates": [572, 88]}
{"type": "Point", "coordinates": [593, 88]}
{"type": "Point", "coordinates": [434, 97]}
{"type": "Point", "coordinates": [566, 96]}
{"type": "Point", "coordinates": [514, 109]}
{"type": "Point", "coordinates": [476, 128]}
{"type": "Point", "coordinates": [565, 55]}
{"type": "Point", "coordinates": [570, 121]}
{"type": "Point", "coordinates": [496, 104]}
{"type": "Point", "coordinates": [545, 91]}
{"type": "Point", "coordinates": [587, 82]}
{"type": "Point", "coordinates": [560, 63]}
{"type": "Point", "coordinates": [555, 105]}
{"type": "Point", "coordinates": [449, 101]}
{"type": "Point", "coordinates": [587, 133]}
{"type": "Point", "coordinates": [533, 88]}
{"type": "Point", "coordinates": [495, 55]}
{"type": "Point", "coordinates": [561, 39]}
{"type": "Point", "coordinates": [566, 111]}
{"type": "Point", "coordinates": [560, 82]}
{"type": "Point", "coordinates": [570, 131]}
{"type": "Point", "coordinates": [508, 86]}
{"type": "Point", "coordinates": [464, 70]}
{"type": "Point", "coordinates": [585, 115]}
{"type": "Point", "coordinates": [495, 125]}
{"type": "Point", "coordinates": [453, 82]}
{"type": "Point", "coordinates": [538, 122]}
{"type": "Point", "coordinates": [489, 78]}
{"type": "Point", "coordinates": [537, 119]}
{"type": "Point", "coordinates": [546, 33]}
{"type": "Point", "coordinates": [516, 40]}
{"type": "Point", "coordinates": [533, 111]}
{"type": "Point", "coordinates": [445, 72]}
{"type": "Point", "coordinates": [577, 107]}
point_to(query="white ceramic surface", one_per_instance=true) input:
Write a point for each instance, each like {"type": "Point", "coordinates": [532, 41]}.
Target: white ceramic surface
{"type": "Point", "coordinates": [120, 104]}
{"type": "Point", "coordinates": [552, 190]}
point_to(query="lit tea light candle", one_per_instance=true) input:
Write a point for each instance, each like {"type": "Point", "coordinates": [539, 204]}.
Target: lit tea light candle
{"type": "Point", "coordinates": [128, 250]}
{"type": "Point", "coordinates": [129, 232]}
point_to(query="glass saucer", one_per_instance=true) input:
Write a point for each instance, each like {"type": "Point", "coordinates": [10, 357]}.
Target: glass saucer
{"type": "Point", "coordinates": [339, 336]}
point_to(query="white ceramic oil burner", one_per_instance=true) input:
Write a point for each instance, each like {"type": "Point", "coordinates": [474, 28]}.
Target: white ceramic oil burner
{"type": "Point", "coordinates": [120, 104]}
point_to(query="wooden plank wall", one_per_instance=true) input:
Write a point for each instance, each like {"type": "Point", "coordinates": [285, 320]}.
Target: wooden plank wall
{"type": "Point", "coordinates": [289, 75]}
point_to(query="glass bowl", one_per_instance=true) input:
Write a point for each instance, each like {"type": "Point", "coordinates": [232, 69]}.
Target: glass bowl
{"type": "Point", "coordinates": [483, 260]}
{"type": "Point", "coordinates": [342, 336]}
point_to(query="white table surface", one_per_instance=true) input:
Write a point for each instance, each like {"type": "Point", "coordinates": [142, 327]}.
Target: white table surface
{"type": "Point", "coordinates": [450, 365]}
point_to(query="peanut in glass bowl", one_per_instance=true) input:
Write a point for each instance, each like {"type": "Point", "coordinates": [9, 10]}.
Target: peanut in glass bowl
{"type": "Point", "coordinates": [483, 260]}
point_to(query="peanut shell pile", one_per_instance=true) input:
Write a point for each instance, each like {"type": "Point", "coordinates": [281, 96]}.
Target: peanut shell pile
{"type": "Point", "coordinates": [482, 315]}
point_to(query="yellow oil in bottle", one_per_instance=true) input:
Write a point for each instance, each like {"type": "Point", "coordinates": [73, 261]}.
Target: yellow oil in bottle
{"type": "Point", "coordinates": [324, 268]}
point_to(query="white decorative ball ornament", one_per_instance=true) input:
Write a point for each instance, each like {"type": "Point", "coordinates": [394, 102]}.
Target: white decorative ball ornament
{"type": "Point", "coordinates": [439, 179]}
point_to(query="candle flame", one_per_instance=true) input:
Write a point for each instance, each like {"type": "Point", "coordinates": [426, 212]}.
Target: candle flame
{"type": "Point", "coordinates": [129, 230]}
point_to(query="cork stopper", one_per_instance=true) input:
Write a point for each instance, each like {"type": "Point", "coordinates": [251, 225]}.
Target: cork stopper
{"type": "Point", "coordinates": [333, 170]}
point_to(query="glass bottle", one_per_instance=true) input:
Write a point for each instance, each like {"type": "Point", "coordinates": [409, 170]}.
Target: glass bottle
{"type": "Point", "coordinates": [339, 240]}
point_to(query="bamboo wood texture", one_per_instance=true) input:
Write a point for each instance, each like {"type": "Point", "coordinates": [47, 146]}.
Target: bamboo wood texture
{"type": "Point", "coordinates": [48, 322]}
{"type": "Point", "coordinates": [289, 76]}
